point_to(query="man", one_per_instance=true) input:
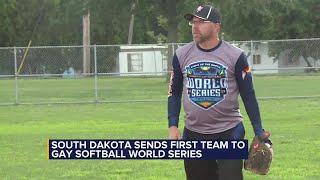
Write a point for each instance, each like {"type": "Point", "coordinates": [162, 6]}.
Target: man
{"type": "Point", "coordinates": [210, 73]}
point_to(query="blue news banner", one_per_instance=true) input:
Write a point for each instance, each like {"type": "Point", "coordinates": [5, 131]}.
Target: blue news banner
{"type": "Point", "coordinates": [147, 149]}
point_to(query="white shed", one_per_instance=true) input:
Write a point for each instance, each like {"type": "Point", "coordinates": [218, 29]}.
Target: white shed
{"type": "Point", "coordinates": [142, 60]}
{"type": "Point", "coordinates": [261, 62]}
{"type": "Point", "coordinates": [259, 59]}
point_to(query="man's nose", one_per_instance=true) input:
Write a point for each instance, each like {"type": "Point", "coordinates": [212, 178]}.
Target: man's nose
{"type": "Point", "coordinates": [195, 28]}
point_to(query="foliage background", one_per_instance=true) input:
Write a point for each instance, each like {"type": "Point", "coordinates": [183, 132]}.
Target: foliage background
{"type": "Point", "coordinates": [59, 22]}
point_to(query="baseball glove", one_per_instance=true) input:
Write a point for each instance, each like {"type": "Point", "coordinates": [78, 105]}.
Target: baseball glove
{"type": "Point", "coordinates": [260, 155]}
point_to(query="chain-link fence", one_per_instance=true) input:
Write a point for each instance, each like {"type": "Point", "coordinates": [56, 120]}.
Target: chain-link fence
{"type": "Point", "coordinates": [282, 56]}
{"type": "Point", "coordinates": [122, 73]}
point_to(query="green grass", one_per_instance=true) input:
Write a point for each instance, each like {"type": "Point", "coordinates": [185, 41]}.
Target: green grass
{"type": "Point", "coordinates": [269, 86]}
{"type": "Point", "coordinates": [24, 129]}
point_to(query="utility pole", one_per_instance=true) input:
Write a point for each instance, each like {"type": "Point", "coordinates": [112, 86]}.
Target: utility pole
{"type": "Point", "coordinates": [133, 11]}
{"type": "Point", "coordinates": [86, 42]}
{"type": "Point", "coordinates": [171, 13]}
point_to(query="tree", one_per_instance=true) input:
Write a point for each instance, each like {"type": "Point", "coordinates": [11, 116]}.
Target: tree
{"type": "Point", "coordinates": [299, 20]}
{"type": "Point", "coordinates": [294, 50]}
{"type": "Point", "coordinates": [156, 21]}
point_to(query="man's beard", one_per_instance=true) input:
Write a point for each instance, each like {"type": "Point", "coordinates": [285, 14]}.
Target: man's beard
{"type": "Point", "coordinates": [202, 38]}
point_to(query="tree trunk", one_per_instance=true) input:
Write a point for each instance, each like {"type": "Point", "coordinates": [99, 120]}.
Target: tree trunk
{"type": "Point", "coordinates": [305, 58]}
{"type": "Point", "coordinates": [304, 55]}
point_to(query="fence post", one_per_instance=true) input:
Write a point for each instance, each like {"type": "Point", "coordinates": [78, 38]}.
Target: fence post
{"type": "Point", "coordinates": [251, 54]}
{"type": "Point", "coordinates": [155, 61]}
{"type": "Point", "coordinates": [95, 74]}
{"type": "Point", "coordinates": [171, 51]}
{"type": "Point", "coordinates": [16, 75]}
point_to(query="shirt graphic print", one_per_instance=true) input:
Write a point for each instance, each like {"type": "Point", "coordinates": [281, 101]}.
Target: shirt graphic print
{"type": "Point", "coordinates": [206, 83]}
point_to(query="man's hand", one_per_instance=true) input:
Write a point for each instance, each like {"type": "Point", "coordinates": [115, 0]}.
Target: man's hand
{"type": "Point", "coordinates": [265, 135]}
{"type": "Point", "coordinates": [174, 133]}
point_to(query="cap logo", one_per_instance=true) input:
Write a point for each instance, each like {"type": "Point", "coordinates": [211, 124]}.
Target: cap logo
{"type": "Point", "coordinates": [199, 8]}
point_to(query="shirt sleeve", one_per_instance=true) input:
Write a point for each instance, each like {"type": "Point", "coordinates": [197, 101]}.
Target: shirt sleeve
{"type": "Point", "coordinates": [247, 93]}
{"type": "Point", "coordinates": [175, 93]}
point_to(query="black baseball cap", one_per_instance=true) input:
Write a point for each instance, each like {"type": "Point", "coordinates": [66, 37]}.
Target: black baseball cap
{"type": "Point", "coordinates": [205, 12]}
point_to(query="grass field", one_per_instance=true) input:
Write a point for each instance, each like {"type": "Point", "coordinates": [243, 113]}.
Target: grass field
{"type": "Point", "coordinates": [24, 129]}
